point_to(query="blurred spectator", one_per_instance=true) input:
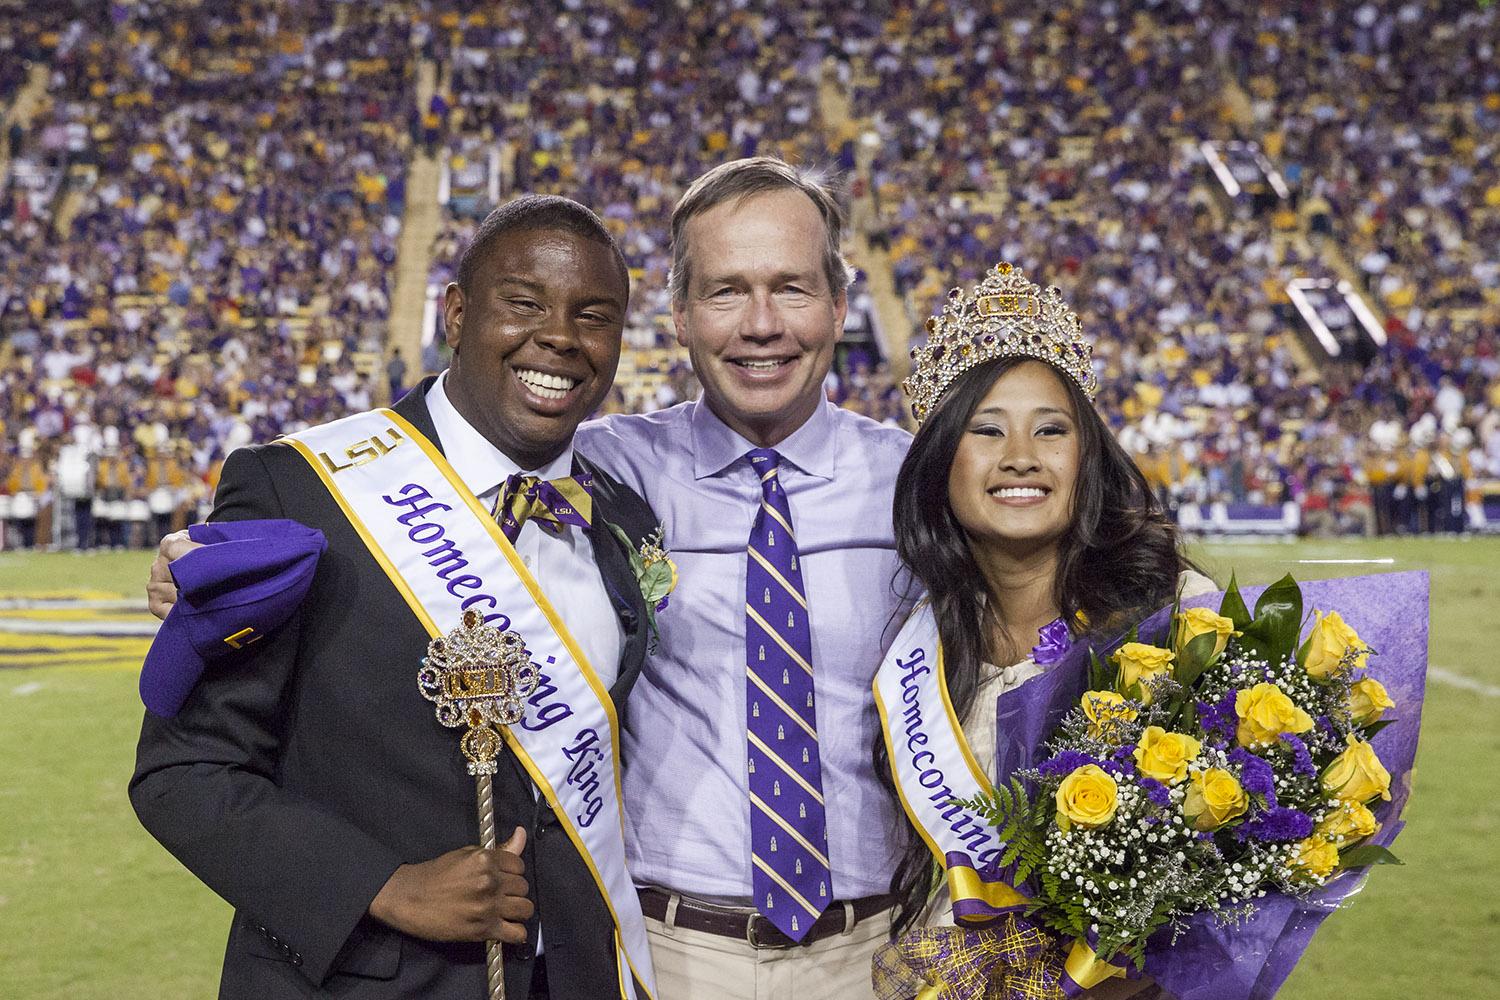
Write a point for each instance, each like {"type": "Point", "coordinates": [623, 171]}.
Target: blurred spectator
{"type": "Point", "coordinates": [395, 375]}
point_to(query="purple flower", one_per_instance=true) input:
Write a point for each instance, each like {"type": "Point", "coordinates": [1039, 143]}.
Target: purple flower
{"type": "Point", "coordinates": [1219, 719]}
{"type": "Point", "coordinates": [1302, 762]}
{"type": "Point", "coordinates": [1279, 826]}
{"type": "Point", "coordinates": [1156, 791]}
{"type": "Point", "coordinates": [1256, 775]}
{"type": "Point", "coordinates": [1064, 763]}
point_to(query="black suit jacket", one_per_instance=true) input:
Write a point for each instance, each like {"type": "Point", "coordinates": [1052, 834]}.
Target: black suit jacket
{"type": "Point", "coordinates": [294, 784]}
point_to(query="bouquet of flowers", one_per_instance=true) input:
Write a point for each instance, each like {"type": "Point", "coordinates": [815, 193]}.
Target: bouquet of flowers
{"type": "Point", "coordinates": [1219, 764]}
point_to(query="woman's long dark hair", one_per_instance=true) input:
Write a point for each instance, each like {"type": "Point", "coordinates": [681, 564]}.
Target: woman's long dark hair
{"type": "Point", "coordinates": [1118, 557]}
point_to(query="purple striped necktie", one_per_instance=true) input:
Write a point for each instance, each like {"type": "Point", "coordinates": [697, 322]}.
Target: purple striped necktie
{"type": "Point", "coordinates": [788, 835]}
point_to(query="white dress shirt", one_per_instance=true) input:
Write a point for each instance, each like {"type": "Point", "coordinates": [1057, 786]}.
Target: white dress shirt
{"type": "Point", "coordinates": [563, 564]}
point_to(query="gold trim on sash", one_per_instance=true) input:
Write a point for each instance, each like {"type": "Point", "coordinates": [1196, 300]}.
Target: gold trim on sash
{"type": "Point", "coordinates": [940, 673]}
{"type": "Point", "coordinates": [980, 778]}
{"type": "Point", "coordinates": [963, 881]}
{"type": "Point", "coordinates": [911, 814]}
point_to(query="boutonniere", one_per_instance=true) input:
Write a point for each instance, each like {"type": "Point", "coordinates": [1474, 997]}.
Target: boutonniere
{"type": "Point", "coordinates": [655, 572]}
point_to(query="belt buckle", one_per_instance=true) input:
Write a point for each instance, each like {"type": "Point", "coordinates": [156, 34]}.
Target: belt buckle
{"type": "Point", "coordinates": [759, 945]}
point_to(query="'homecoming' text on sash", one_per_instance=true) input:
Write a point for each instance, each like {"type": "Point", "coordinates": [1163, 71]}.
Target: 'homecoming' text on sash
{"type": "Point", "coordinates": [445, 555]}
{"type": "Point", "coordinates": [933, 768]}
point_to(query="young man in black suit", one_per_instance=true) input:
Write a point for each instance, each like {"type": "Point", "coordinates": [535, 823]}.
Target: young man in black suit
{"type": "Point", "coordinates": [312, 787]}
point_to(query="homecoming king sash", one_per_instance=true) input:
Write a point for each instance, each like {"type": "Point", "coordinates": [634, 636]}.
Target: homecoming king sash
{"type": "Point", "coordinates": [445, 555]}
{"type": "Point", "coordinates": [933, 768]}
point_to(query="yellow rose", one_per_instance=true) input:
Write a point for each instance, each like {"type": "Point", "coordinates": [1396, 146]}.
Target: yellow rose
{"type": "Point", "coordinates": [1200, 621]}
{"type": "Point", "coordinates": [1139, 663]}
{"type": "Point", "coordinates": [1165, 756]}
{"type": "Point", "coordinates": [1105, 710]}
{"type": "Point", "coordinates": [1348, 822]}
{"type": "Point", "coordinates": [1314, 856]}
{"type": "Point", "coordinates": [1087, 797]}
{"type": "Point", "coordinates": [1331, 638]}
{"type": "Point", "coordinates": [1265, 713]}
{"type": "Point", "coordinates": [1368, 701]}
{"type": "Point", "coordinates": [1214, 797]}
{"type": "Point", "coordinates": [1357, 775]}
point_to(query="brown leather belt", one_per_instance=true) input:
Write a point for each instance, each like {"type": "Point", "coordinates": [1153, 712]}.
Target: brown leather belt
{"type": "Point", "coordinates": [841, 916]}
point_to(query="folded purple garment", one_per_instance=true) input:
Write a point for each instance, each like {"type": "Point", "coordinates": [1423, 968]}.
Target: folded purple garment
{"type": "Point", "coordinates": [244, 582]}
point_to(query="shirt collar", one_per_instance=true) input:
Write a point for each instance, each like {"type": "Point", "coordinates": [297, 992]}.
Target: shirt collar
{"type": "Point", "coordinates": [479, 463]}
{"type": "Point", "coordinates": [812, 448]}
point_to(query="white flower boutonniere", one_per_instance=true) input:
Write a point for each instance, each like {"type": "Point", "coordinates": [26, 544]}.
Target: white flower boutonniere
{"type": "Point", "coordinates": [655, 572]}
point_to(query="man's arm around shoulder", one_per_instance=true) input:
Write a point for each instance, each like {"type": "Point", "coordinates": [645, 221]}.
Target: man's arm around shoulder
{"type": "Point", "coordinates": [205, 782]}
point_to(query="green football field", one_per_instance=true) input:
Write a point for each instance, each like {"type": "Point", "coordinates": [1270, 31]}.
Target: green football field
{"type": "Point", "coordinates": [91, 907]}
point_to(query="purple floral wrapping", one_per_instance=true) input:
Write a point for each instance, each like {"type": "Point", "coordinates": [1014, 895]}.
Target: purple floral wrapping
{"type": "Point", "coordinates": [1250, 960]}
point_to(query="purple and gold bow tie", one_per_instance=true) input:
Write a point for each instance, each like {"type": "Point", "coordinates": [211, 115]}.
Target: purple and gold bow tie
{"type": "Point", "coordinates": [552, 503]}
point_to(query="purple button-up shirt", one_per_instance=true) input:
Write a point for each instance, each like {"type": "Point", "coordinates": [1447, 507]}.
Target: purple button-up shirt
{"type": "Point", "coordinates": [687, 809]}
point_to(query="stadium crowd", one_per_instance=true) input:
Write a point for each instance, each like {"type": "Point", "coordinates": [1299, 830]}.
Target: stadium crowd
{"type": "Point", "coordinates": [1067, 140]}
{"type": "Point", "coordinates": [232, 177]}
{"type": "Point", "coordinates": [1406, 176]}
{"type": "Point", "coordinates": [226, 271]}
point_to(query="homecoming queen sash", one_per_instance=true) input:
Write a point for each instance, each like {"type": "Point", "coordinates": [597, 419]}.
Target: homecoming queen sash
{"type": "Point", "coordinates": [934, 768]}
{"type": "Point", "coordinates": [445, 555]}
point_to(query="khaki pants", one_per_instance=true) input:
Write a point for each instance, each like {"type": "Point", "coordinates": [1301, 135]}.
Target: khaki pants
{"type": "Point", "coordinates": [692, 965]}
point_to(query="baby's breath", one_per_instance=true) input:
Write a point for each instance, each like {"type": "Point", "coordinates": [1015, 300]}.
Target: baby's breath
{"type": "Point", "coordinates": [1149, 867]}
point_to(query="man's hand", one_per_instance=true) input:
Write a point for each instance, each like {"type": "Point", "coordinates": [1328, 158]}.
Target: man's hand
{"type": "Point", "coordinates": [161, 589]}
{"type": "Point", "coordinates": [470, 894]}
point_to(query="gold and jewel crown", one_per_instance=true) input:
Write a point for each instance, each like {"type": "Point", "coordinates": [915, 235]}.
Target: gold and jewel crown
{"type": "Point", "coordinates": [1004, 316]}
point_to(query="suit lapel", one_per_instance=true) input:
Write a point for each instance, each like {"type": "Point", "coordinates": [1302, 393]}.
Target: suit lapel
{"type": "Point", "coordinates": [413, 407]}
{"type": "Point", "coordinates": [624, 594]}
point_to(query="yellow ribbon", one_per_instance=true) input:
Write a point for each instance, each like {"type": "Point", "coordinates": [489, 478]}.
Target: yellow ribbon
{"type": "Point", "coordinates": [1086, 968]}
{"type": "Point", "coordinates": [1008, 960]}
{"type": "Point", "coordinates": [965, 883]}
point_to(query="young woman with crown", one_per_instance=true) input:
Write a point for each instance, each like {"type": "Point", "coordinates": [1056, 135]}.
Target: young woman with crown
{"type": "Point", "coordinates": [1026, 525]}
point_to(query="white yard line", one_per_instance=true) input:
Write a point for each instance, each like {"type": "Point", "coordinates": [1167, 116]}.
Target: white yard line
{"type": "Point", "coordinates": [39, 603]}
{"type": "Point", "coordinates": [98, 627]}
{"type": "Point", "coordinates": [1455, 679]}
{"type": "Point", "coordinates": [1346, 562]}
{"type": "Point", "coordinates": [23, 690]}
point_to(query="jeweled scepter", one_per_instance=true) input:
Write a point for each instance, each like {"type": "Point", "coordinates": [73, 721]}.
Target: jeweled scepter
{"type": "Point", "coordinates": [480, 677]}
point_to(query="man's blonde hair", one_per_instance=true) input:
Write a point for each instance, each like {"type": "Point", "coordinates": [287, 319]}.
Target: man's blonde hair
{"type": "Point", "coordinates": [741, 178]}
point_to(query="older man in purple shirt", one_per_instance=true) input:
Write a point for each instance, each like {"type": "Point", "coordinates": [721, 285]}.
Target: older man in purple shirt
{"type": "Point", "coordinates": [755, 820]}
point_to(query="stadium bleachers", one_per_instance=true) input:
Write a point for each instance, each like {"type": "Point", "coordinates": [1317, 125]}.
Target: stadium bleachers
{"type": "Point", "coordinates": [200, 230]}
